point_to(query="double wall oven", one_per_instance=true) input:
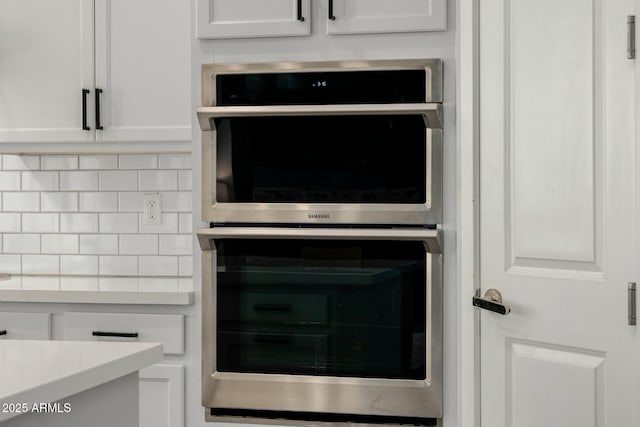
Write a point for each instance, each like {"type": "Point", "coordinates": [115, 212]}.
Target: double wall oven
{"type": "Point", "coordinates": [322, 280]}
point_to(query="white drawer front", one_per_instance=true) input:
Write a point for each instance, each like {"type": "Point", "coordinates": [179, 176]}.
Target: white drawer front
{"type": "Point", "coordinates": [25, 326]}
{"type": "Point", "coordinates": [167, 329]}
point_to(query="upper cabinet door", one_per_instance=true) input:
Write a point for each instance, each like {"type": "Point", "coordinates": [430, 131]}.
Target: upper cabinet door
{"type": "Point", "coordinates": [384, 16]}
{"type": "Point", "coordinates": [143, 70]}
{"type": "Point", "coordinates": [46, 60]}
{"type": "Point", "coordinates": [229, 19]}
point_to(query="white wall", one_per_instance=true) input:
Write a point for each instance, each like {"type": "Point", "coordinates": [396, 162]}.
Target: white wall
{"type": "Point", "coordinates": [317, 47]}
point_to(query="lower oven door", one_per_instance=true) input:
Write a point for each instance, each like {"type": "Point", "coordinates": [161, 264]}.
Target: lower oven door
{"type": "Point", "coordinates": [322, 321]}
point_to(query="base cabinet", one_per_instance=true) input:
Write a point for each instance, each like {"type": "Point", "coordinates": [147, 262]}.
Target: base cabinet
{"type": "Point", "coordinates": [162, 386]}
{"type": "Point", "coordinates": [25, 326]}
{"type": "Point", "coordinates": [162, 395]}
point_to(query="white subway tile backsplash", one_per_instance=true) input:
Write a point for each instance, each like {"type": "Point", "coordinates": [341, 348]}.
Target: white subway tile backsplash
{"type": "Point", "coordinates": [175, 161]}
{"type": "Point", "coordinates": [160, 180]}
{"type": "Point", "coordinates": [138, 244]}
{"type": "Point", "coordinates": [79, 265]}
{"type": "Point", "coordinates": [99, 244]}
{"type": "Point", "coordinates": [185, 178]}
{"type": "Point", "coordinates": [118, 223]}
{"type": "Point", "coordinates": [10, 222]}
{"type": "Point", "coordinates": [158, 266]}
{"type": "Point", "coordinates": [40, 181]}
{"type": "Point", "coordinates": [79, 283]}
{"type": "Point", "coordinates": [17, 162]}
{"type": "Point", "coordinates": [59, 162]}
{"type": "Point", "coordinates": [130, 201]}
{"type": "Point", "coordinates": [81, 215]}
{"type": "Point", "coordinates": [138, 161]}
{"type": "Point", "coordinates": [99, 162]}
{"type": "Point", "coordinates": [20, 202]}
{"type": "Point", "coordinates": [79, 223]}
{"type": "Point", "coordinates": [10, 264]}
{"type": "Point", "coordinates": [41, 283]}
{"type": "Point", "coordinates": [118, 284]}
{"type": "Point", "coordinates": [98, 202]}
{"type": "Point", "coordinates": [59, 244]}
{"type": "Point", "coordinates": [175, 201]}
{"type": "Point", "coordinates": [176, 244]}
{"type": "Point", "coordinates": [118, 265]}
{"type": "Point", "coordinates": [118, 180]}
{"type": "Point", "coordinates": [40, 222]}
{"type": "Point", "coordinates": [21, 243]}
{"type": "Point", "coordinates": [185, 266]}
{"type": "Point", "coordinates": [147, 284]}
{"type": "Point", "coordinates": [40, 264]}
{"type": "Point", "coordinates": [59, 202]}
{"type": "Point", "coordinates": [185, 223]}
{"type": "Point", "coordinates": [9, 181]}
{"type": "Point", "coordinates": [79, 181]}
{"type": "Point", "coordinates": [169, 224]}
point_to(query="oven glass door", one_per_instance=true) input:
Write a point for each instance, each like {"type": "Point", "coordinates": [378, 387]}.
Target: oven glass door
{"type": "Point", "coordinates": [375, 159]}
{"type": "Point", "coordinates": [341, 308]}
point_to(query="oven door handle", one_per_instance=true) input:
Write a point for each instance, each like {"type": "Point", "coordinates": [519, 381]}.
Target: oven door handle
{"type": "Point", "coordinates": [430, 112]}
{"type": "Point", "coordinates": [431, 238]}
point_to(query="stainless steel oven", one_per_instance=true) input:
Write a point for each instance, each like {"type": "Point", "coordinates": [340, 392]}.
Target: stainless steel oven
{"type": "Point", "coordinates": [319, 324]}
{"type": "Point", "coordinates": [349, 142]}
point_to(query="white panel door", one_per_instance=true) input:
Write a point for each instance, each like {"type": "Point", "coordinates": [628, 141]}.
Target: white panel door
{"type": "Point", "coordinates": [556, 213]}
{"type": "Point", "coordinates": [46, 59]}
{"type": "Point", "coordinates": [231, 19]}
{"type": "Point", "coordinates": [143, 65]}
{"type": "Point", "coordinates": [162, 396]}
{"type": "Point", "coordinates": [384, 16]}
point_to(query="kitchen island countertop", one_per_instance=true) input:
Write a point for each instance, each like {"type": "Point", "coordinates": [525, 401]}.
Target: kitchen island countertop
{"type": "Point", "coordinates": [37, 372]}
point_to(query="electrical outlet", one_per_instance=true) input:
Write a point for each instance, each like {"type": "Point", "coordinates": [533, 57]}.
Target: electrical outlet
{"type": "Point", "coordinates": [151, 209]}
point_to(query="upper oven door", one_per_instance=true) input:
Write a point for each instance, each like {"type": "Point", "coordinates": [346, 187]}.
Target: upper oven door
{"type": "Point", "coordinates": [363, 159]}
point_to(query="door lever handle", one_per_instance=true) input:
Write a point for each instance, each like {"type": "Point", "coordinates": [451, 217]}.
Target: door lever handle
{"type": "Point", "coordinates": [492, 301]}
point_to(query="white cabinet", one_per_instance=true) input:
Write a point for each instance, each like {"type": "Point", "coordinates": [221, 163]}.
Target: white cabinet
{"type": "Point", "coordinates": [95, 75]}
{"type": "Point", "coordinates": [167, 329]}
{"type": "Point", "coordinates": [143, 66]}
{"type": "Point", "coordinates": [161, 385]}
{"type": "Point", "coordinates": [224, 19]}
{"type": "Point", "coordinates": [25, 326]}
{"type": "Point", "coordinates": [162, 396]}
{"type": "Point", "coordinates": [47, 59]}
{"type": "Point", "coordinates": [383, 16]}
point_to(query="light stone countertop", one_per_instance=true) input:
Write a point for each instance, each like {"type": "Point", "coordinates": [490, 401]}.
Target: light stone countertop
{"type": "Point", "coordinates": [47, 371]}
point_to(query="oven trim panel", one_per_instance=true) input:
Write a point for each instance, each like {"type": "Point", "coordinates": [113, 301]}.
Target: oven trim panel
{"type": "Point", "coordinates": [325, 394]}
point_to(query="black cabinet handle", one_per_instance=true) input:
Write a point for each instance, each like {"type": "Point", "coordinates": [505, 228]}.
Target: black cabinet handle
{"type": "Point", "coordinates": [115, 334]}
{"type": "Point", "coordinates": [300, 17]}
{"type": "Point", "coordinates": [272, 307]}
{"type": "Point", "coordinates": [3, 332]}
{"type": "Point", "coordinates": [271, 339]}
{"type": "Point", "coordinates": [331, 15]}
{"type": "Point", "coordinates": [98, 124]}
{"type": "Point", "coordinates": [85, 92]}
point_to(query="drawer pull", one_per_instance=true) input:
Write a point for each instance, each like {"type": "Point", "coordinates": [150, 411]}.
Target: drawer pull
{"type": "Point", "coordinates": [115, 334]}
{"type": "Point", "coordinates": [3, 332]}
{"type": "Point", "coordinates": [272, 307]}
{"type": "Point", "coordinates": [271, 339]}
